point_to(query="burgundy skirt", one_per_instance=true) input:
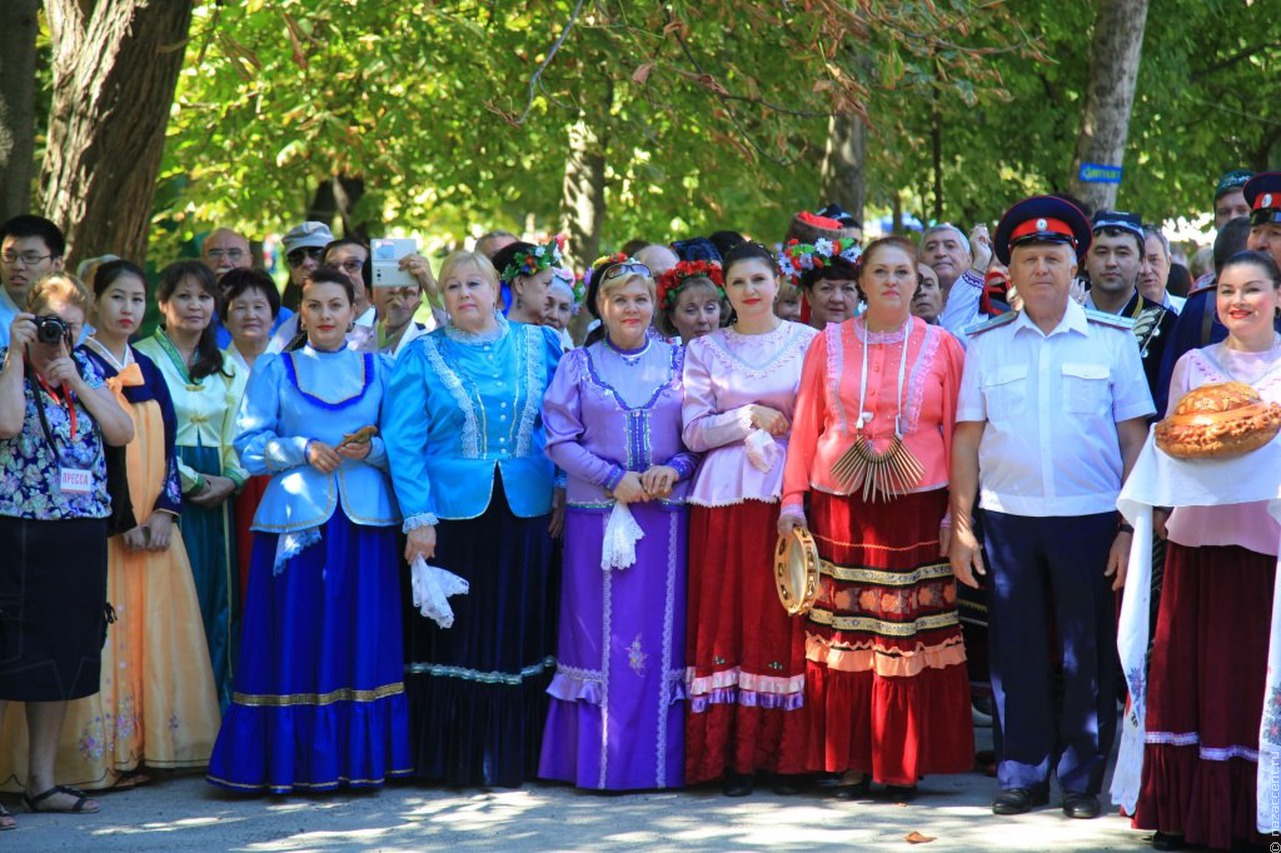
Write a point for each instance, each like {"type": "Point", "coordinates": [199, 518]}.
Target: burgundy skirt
{"type": "Point", "coordinates": [886, 687]}
{"type": "Point", "coordinates": [745, 655]}
{"type": "Point", "coordinates": [1206, 680]}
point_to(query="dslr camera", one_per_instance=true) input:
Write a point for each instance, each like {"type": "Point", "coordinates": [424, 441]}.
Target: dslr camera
{"type": "Point", "coordinates": [51, 328]}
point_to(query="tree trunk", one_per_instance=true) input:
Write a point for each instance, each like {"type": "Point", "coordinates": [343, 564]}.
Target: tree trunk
{"type": "Point", "coordinates": [1105, 120]}
{"type": "Point", "coordinates": [17, 106]}
{"type": "Point", "coordinates": [843, 178]}
{"type": "Point", "coordinates": [115, 66]}
{"type": "Point", "coordinates": [582, 204]}
{"type": "Point", "coordinates": [336, 198]}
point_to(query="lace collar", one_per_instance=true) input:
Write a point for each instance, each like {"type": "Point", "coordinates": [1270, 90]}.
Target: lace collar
{"type": "Point", "coordinates": [462, 336]}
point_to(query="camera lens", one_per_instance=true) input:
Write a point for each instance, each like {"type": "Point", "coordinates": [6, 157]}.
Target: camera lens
{"type": "Point", "coordinates": [50, 330]}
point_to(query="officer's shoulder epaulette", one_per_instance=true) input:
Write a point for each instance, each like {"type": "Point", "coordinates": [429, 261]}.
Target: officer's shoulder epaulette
{"type": "Point", "coordinates": [1103, 318]}
{"type": "Point", "coordinates": [991, 323]}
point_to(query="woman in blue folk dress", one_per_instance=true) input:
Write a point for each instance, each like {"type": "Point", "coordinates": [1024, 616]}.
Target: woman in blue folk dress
{"type": "Point", "coordinates": [465, 434]}
{"type": "Point", "coordinates": [319, 701]}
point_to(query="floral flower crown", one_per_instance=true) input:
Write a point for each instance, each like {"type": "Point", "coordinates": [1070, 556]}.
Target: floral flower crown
{"type": "Point", "coordinates": [540, 257]}
{"type": "Point", "coordinates": [671, 282]}
{"type": "Point", "coordinates": [798, 258]}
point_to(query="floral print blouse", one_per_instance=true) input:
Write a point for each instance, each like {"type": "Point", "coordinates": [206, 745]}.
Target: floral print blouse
{"type": "Point", "coordinates": [31, 470]}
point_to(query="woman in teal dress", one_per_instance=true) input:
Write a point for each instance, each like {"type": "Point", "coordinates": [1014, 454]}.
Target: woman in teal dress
{"type": "Point", "coordinates": [206, 387]}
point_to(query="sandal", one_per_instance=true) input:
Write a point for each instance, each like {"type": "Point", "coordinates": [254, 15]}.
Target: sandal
{"type": "Point", "coordinates": [33, 803]}
{"type": "Point", "coordinates": [6, 820]}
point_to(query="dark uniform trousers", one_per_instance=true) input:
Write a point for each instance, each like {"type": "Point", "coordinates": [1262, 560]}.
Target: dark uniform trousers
{"type": "Point", "coordinates": [1038, 567]}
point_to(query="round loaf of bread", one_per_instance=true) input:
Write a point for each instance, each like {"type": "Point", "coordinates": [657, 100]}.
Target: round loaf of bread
{"type": "Point", "coordinates": [1215, 421]}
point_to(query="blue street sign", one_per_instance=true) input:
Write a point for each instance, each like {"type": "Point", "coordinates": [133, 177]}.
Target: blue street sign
{"type": "Point", "coordinates": [1095, 173]}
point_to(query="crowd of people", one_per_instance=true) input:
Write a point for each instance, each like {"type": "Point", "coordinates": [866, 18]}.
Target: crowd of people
{"type": "Point", "coordinates": [215, 533]}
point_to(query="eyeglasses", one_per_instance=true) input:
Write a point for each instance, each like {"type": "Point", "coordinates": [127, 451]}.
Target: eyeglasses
{"type": "Point", "coordinates": [232, 255]}
{"type": "Point", "coordinates": [27, 259]}
{"type": "Point", "coordinates": [399, 293]}
{"type": "Point", "coordinates": [298, 257]}
{"type": "Point", "coordinates": [352, 265]}
{"type": "Point", "coordinates": [625, 268]}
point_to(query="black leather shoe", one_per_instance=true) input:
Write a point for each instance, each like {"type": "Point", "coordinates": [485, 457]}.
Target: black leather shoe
{"type": "Point", "coordinates": [900, 793]}
{"type": "Point", "coordinates": [857, 791]}
{"type": "Point", "coordinates": [737, 785]}
{"type": "Point", "coordinates": [787, 785]}
{"type": "Point", "coordinates": [1083, 806]}
{"type": "Point", "coordinates": [1018, 801]}
{"type": "Point", "coordinates": [1167, 841]}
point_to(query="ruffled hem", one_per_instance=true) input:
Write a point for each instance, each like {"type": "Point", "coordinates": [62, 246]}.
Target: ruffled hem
{"type": "Point", "coordinates": [900, 729]}
{"type": "Point", "coordinates": [469, 733]}
{"type": "Point", "coordinates": [738, 738]}
{"type": "Point", "coordinates": [702, 685]}
{"type": "Point", "coordinates": [570, 685]}
{"type": "Point", "coordinates": [1213, 803]}
{"type": "Point", "coordinates": [885, 662]}
{"type": "Point", "coordinates": [303, 747]}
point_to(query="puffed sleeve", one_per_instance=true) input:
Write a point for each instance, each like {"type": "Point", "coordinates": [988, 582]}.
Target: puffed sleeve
{"type": "Point", "coordinates": [170, 498]}
{"type": "Point", "coordinates": [261, 449]}
{"type": "Point", "coordinates": [563, 419]}
{"type": "Point", "coordinates": [235, 394]}
{"type": "Point", "coordinates": [406, 421]}
{"type": "Point", "coordinates": [807, 424]}
{"type": "Point", "coordinates": [377, 457]}
{"type": "Point", "coordinates": [953, 355]}
{"type": "Point", "coordinates": [706, 427]}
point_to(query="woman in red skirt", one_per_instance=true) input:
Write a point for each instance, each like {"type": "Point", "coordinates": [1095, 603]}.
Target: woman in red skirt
{"type": "Point", "coordinates": [745, 655]}
{"type": "Point", "coordinates": [887, 697]}
{"type": "Point", "coordinates": [1209, 657]}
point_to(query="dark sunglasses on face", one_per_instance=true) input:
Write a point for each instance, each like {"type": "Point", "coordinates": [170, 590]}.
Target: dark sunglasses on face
{"type": "Point", "coordinates": [298, 257]}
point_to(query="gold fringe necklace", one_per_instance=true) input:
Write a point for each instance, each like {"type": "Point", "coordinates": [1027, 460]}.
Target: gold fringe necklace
{"type": "Point", "coordinates": [883, 474]}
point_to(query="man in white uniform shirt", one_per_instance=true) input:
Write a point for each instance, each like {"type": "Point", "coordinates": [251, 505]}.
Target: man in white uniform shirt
{"type": "Point", "coordinates": [1051, 415]}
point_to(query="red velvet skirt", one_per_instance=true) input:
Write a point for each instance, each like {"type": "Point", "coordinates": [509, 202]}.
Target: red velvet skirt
{"type": "Point", "coordinates": [886, 687]}
{"type": "Point", "coordinates": [1206, 680]}
{"type": "Point", "coordinates": [745, 656]}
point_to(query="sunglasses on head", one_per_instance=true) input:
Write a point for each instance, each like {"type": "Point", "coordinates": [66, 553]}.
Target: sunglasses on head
{"type": "Point", "coordinates": [298, 257]}
{"type": "Point", "coordinates": [625, 268]}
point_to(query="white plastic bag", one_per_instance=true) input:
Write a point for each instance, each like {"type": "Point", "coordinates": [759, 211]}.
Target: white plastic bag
{"type": "Point", "coordinates": [762, 450]}
{"type": "Point", "coordinates": [432, 587]}
{"type": "Point", "coordinates": [618, 551]}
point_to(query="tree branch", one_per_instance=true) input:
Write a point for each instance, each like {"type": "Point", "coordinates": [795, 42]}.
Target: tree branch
{"type": "Point", "coordinates": [1229, 61]}
{"type": "Point", "coordinates": [547, 60]}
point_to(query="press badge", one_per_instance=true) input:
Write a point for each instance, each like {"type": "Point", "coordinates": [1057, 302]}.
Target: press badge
{"type": "Point", "coordinates": [75, 481]}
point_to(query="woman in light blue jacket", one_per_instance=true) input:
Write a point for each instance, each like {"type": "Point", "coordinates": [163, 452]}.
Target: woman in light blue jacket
{"type": "Point", "coordinates": [319, 700]}
{"type": "Point", "coordinates": [463, 423]}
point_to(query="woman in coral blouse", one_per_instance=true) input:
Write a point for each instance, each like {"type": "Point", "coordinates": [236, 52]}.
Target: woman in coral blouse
{"type": "Point", "coordinates": [886, 692]}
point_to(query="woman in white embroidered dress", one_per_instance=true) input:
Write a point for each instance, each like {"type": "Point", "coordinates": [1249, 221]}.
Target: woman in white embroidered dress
{"type": "Point", "coordinates": [745, 655]}
{"type": "Point", "coordinates": [1209, 657]}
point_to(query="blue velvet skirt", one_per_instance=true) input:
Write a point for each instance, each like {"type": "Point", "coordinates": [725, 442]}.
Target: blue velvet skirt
{"type": "Point", "coordinates": [319, 701]}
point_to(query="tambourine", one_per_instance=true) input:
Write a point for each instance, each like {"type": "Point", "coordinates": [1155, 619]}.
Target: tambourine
{"type": "Point", "coordinates": [796, 571]}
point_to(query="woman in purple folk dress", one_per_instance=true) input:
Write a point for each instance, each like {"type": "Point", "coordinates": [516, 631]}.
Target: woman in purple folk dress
{"type": "Point", "coordinates": [613, 420]}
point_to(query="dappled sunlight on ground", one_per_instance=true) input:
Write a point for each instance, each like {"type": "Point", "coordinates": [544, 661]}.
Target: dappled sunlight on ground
{"type": "Point", "coordinates": [184, 813]}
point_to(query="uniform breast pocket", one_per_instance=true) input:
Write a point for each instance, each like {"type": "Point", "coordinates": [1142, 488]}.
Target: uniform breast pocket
{"type": "Point", "coordinates": [1005, 392]}
{"type": "Point", "coordinates": [1085, 388]}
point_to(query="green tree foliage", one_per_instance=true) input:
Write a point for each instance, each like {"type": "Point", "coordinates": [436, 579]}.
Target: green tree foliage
{"type": "Point", "coordinates": [457, 113]}
{"type": "Point", "coordinates": [1208, 75]}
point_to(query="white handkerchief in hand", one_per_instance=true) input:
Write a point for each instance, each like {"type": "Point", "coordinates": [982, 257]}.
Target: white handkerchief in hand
{"type": "Point", "coordinates": [762, 449]}
{"type": "Point", "coordinates": [432, 587]}
{"type": "Point", "coordinates": [618, 551]}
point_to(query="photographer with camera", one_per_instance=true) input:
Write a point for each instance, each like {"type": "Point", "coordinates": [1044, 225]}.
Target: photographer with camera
{"type": "Point", "coordinates": [55, 418]}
